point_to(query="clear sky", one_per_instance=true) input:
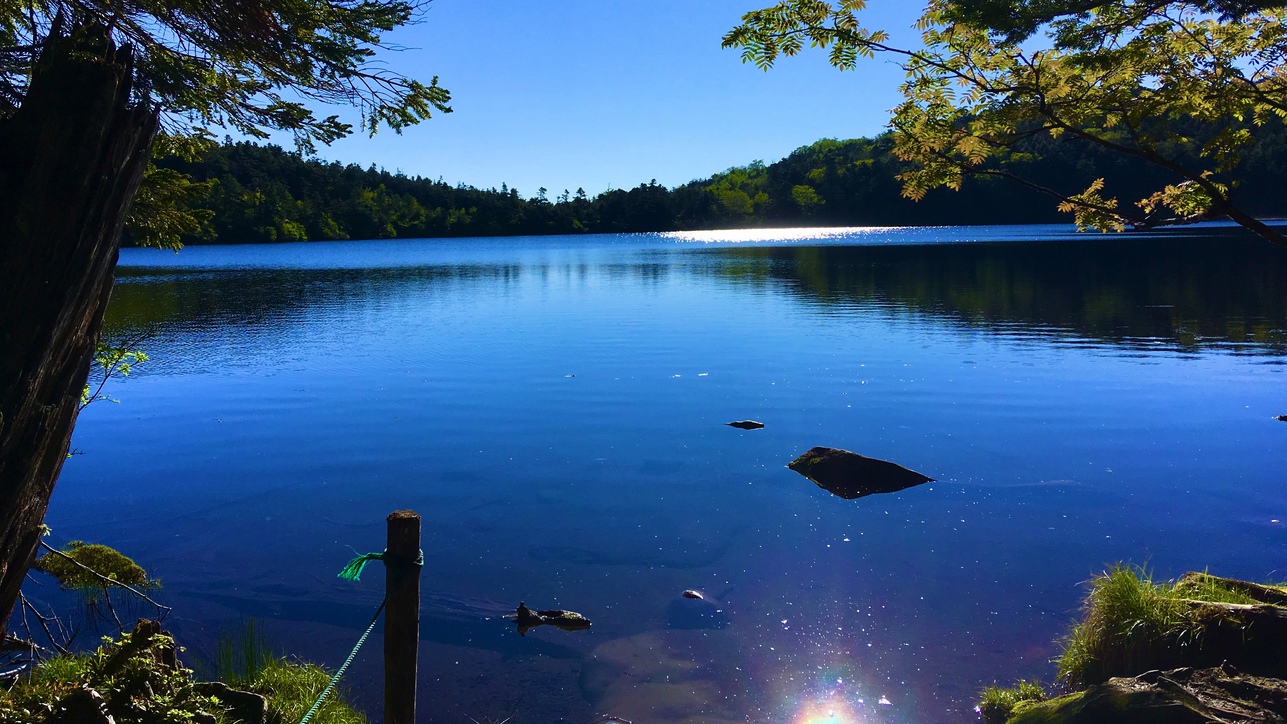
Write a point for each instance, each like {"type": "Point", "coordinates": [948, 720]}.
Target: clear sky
{"type": "Point", "coordinates": [598, 93]}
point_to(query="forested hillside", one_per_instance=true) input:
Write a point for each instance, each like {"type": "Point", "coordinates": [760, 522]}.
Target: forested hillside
{"type": "Point", "coordinates": [265, 194]}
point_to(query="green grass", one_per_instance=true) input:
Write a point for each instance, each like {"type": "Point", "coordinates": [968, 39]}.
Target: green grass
{"type": "Point", "coordinates": [291, 688]}
{"type": "Point", "coordinates": [142, 691]}
{"type": "Point", "coordinates": [242, 654]}
{"type": "Point", "coordinates": [997, 703]}
{"type": "Point", "coordinates": [1131, 625]}
{"type": "Point", "coordinates": [136, 690]}
{"type": "Point", "coordinates": [244, 660]}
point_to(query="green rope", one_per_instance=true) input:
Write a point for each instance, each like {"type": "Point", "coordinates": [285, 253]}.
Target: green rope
{"type": "Point", "coordinates": [335, 679]}
{"type": "Point", "coordinates": [353, 571]}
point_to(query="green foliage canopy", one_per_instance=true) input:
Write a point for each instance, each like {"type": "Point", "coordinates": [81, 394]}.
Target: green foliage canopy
{"type": "Point", "coordinates": [251, 66]}
{"type": "Point", "coordinates": [262, 194]}
{"type": "Point", "coordinates": [1182, 86]}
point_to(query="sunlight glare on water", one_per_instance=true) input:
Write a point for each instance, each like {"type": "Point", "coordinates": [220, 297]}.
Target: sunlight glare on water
{"type": "Point", "coordinates": [832, 708]}
{"type": "Point", "coordinates": [732, 236]}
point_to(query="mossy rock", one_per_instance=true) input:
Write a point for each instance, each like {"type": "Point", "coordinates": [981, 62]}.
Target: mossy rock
{"type": "Point", "coordinates": [1180, 696]}
{"type": "Point", "coordinates": [104, 560]}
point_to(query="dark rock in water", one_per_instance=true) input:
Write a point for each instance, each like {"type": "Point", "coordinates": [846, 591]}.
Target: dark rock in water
{"type": "Point", "coordinates": [690, 593]}
{"type": "Point", "coordinates": [850, 475]}
{"type": "Point", "coordinates": [1179, 696]}
{"type": "Point", "coordinates": [528, 619]}
{"type": "Point", "coordinates": [695, 613]}
{"type": "Point", "coordinates": [746, 425]}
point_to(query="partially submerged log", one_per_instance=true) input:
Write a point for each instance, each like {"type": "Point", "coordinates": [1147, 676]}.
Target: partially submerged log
{"type": "Point", "coordinates": [850, 475]}
{"type": "Point", "coordinates": [527, 619]}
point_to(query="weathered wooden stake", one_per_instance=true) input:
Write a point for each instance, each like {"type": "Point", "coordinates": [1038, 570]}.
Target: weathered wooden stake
{"type": "Point", "coordinates": [401, 617]}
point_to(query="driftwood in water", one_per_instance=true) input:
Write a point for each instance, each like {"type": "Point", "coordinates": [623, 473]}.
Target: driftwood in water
{"type": "Point", "coordinates": [527, 619]}
{"type": "Point", "coordinates": [850, 475]}
{"type": "Point", "coordinates": [71, 159]}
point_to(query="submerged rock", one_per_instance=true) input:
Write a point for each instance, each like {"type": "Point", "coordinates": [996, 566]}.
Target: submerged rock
{"type": "Point", "coordinates": [695, 613]}
{"type": "Point", "coordinates": [1178, 696]}
{"type": "Point", "coordinates": [850, 475]}
{"type": "Point", "coordinates": [528, 619]}
{"type": "Point", "coordinates": [746, 425]}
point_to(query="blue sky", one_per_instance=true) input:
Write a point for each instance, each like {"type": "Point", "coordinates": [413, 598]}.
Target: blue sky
{"type": "Point", "coordinates": [569, 93]}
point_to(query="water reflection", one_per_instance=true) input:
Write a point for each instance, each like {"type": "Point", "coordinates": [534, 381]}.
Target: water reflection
{"type": "Point", "coordinates": [1213, 289]}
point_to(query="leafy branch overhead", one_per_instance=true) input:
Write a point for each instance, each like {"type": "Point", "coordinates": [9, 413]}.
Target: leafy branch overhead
{"type": "Point", "coordinates": [1180, 85]}
{"type": "Point", "coordinates": [248, 65]}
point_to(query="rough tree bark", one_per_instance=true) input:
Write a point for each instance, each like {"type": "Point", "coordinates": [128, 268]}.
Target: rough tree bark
{"type": "Point", "coordinates": [71, 159]}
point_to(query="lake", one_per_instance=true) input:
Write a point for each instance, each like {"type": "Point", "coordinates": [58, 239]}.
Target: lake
{"type": "Point", "coordinates": [555, 408]}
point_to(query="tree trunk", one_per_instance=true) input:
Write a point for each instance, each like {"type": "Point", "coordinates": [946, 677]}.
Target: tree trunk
{"type": "Point", "coordinates": [71, 159]}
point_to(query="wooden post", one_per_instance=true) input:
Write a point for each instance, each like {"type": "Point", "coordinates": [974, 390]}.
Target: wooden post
{"type": "Point", "coordinates": [401, 617]}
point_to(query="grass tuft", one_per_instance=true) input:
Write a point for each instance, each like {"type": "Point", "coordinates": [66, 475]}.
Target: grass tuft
{"type": "Point", "coordinates": [241, 655]}
{"type": "Point", "coordinates": [997, 703]}
{"type": "Point", "coordinates": [244, 660]}
{"type": "Point", "coordinates": [1131, 624]}
{"type": "Point", "coordinates": [291, 688]}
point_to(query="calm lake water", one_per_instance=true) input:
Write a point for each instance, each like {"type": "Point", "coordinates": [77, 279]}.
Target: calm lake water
{"type": "Point", "coordinates": [554, 407]}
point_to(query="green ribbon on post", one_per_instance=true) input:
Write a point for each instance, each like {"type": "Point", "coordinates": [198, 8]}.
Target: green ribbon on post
{"type": "Point", "coordinates": [353, 571]}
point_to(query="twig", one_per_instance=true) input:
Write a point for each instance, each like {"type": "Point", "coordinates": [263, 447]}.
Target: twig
{"type": "Point", "coordinates": [44, 623]}
{"type": "Point", "coordinates": [107, 597]}
{"type": "Point", "coordinates": [13, 643]}
{"type": "Point", "coordinates": [163, 610]}
{"type": "Point", "coordinates": [127, 347]}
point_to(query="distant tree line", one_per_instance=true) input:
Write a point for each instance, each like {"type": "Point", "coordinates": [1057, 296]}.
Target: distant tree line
{"type": "Point", "coordinates": [256, 194]}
